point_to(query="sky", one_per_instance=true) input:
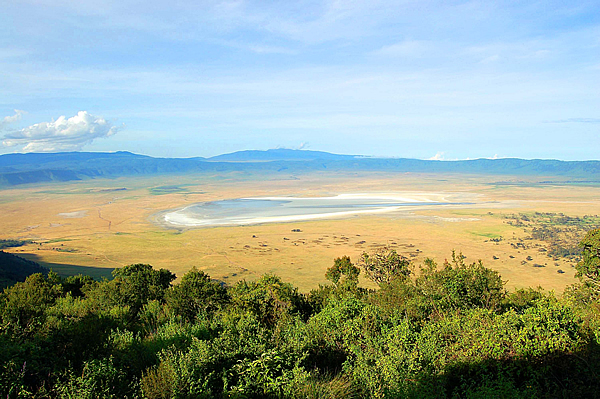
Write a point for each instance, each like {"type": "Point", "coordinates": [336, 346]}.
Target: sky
{"type": "Point", "coordinates": [418, 79]}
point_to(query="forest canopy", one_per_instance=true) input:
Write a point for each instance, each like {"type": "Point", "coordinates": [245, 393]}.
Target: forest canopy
{"type": "Point", "coordinates": [428, 331]}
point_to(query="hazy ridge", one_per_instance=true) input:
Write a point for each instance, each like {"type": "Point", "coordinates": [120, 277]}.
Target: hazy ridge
{"type": "Point", "coordinates": [17, 169]}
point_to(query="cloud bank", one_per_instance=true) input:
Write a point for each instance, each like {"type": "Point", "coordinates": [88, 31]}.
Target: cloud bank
{"type": "Point", "coordinates": [61, 135]}
{"type": "Point", "coordinates": [11, 119]}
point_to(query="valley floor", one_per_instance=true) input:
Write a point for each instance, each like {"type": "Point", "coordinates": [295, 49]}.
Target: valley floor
{"type": "Point", "coordinates": [513, 225]}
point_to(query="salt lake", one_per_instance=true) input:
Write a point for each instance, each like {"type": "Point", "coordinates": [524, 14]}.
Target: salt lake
{"type": "Point", "coordinates": [248, 211]}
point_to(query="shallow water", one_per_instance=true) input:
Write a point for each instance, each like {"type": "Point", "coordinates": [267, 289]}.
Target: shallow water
{"type": "Point", "coordinates": [245, 211]}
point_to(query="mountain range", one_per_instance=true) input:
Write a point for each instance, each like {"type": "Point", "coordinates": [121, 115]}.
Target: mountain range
{"type": "Point", "coordinates": [18, 169]}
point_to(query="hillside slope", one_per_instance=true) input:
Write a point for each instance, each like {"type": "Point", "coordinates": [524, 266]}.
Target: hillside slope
{"type": "Point", "coordinates": [13, 268]}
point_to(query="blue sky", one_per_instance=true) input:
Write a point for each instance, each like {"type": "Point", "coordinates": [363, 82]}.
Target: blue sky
{"type": "Point", "coordinates": [419, 79]}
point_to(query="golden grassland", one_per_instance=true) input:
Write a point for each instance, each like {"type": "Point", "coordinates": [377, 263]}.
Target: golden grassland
{"type": "Point", "coordinates": [95, 225]}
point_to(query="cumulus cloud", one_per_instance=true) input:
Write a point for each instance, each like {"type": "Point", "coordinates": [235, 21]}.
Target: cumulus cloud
{"type": "Point", "coordinates": [61, 135]}
{"type": "Point", "coordinates": [437, 157]}
{"type": "Point", "coordinates": [11, 119]}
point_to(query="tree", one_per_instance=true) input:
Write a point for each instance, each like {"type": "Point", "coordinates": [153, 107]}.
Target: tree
{"type": "Point", "coordinates": [268, 299]}
{"type": "Point", "coordinates": [385, 265]}
{"type": "Point", "coordinates": [196, 294]}
{"type": "Point", "coordinates": [343, 274]}
{"type": "Point", "coordinates": [135, 285]}
{"type": "Point", "coordinates": [76, 285]}
{"type": "Point", "coordinates": [460, 285]}
{"type": "Point", "coordinates": [588, 270]}
{"type": "Point", "coordinates": [23, 305]}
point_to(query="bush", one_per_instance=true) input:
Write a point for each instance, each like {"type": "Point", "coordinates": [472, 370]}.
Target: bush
{"type": "Point", "coordinates": [23, 305]}
{"type": "Point", "coordinates": [196, 294]}
{"type": "Point", "coordinates": [269, 298]}
{"type": "Point", "coordinates": [100, 379]}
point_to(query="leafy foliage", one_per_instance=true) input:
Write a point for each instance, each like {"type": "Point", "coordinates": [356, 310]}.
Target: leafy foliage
{"type": "Point", "coordinates": [459, 285]}
{"type": "Point", "coordinates": [343, 274]}
{"type": "Point", "coordinates": [385, 265]}
{"type": "Point", "coordinates": [196, 295]}
{"type": "Point", "coordinates": [589, 267]}
{"type": "Point", "coordinates": [450, 331]}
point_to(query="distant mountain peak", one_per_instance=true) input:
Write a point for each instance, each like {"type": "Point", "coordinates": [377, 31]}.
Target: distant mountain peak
{"type": "Point", "coordinates": [278, 154]}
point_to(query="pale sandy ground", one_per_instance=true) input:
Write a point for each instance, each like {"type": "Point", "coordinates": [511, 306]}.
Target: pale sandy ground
{"type": "Point", "coordinates": [96, 223]}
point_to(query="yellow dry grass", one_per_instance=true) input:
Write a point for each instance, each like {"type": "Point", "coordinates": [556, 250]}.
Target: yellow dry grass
{"type": "Point", "coordinates": [110, 223]}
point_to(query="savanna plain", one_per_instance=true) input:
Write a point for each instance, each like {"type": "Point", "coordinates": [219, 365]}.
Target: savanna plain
{"type": "Point", "coordinates": [526, 228]}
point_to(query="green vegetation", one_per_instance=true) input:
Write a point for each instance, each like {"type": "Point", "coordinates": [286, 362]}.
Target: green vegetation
{"type": "Point", "coordinates": [560, 232]}
{"type": "Point", "coordinates": [166, 190]}
{"type": "Point", "coordinates": [11, 243]}
{"type": "Point", "coordinates": [448, 330]}
{"type": "Point", "coordinates": [66, 270]}
{"type": "Point", "coordinates": [57, 240]}
{"type": "Point", "coordinates": [180, 189]}
{"type": "Point", "coordinates": [14, 268]}
{"type": "Point", "coordinates": [589, 268]}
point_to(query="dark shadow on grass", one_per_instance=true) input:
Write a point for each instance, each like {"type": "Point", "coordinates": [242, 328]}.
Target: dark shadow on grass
{"type": "Point", "coordinates": [65, 270]}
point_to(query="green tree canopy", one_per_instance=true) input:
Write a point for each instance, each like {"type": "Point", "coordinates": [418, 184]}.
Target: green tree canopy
{"type": "Point", "coordinates": [23, 305]}
{"type": "Point", "coordinates": [385, 265]}
{"type": "Point", "coordinates": [268, 298]}
{"type": "Point", "coordinates": [461, 285]}
{"type": "Point", "coordinates": [343, 274]}
{"type": "Point", "coordinates": [196, 294]}
{"type": "Point", "coordinates": [588, 269]}
{"type": "Point", "coordinates": [135, 285]}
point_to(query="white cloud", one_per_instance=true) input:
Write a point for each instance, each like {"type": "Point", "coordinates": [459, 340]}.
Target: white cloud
{"type": "Point", "coordinates": [437, 157]}
{"type": "Point", "coordinates": [407, 48]}
{"type": "Point", "coordinates": [61, 135]}
{"type": "Point", "coordinates": [11, 119]}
